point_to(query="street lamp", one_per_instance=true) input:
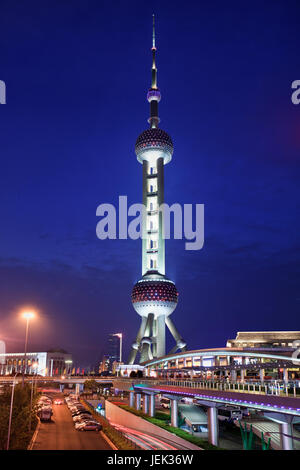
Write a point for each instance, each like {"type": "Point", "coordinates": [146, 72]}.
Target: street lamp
{"type": "Point", "coordinates": [120, 336]}
{"type": "Point", "coordinates": [11, 409]}
{"type": "Point", "coordinates": [34, 366]}
{"type": "Point", "coordinates": [28, 316]}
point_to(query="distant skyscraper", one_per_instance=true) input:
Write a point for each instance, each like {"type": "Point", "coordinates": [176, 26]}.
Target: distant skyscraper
{"type": "Point", "coordinates": [154, 296]}
{"type": "Point", "coordinates": [113, 349]}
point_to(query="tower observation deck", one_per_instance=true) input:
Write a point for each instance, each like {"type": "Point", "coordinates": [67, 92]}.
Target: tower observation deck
{"type": "Point", "coordinates": [154, 296]}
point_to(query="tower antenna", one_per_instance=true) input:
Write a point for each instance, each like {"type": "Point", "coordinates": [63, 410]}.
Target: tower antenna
{"type": "Point", "coordinates": [153, 34]}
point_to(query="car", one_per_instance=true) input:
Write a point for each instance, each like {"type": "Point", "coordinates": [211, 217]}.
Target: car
{"type": "Point", "coordinates": [81, 417]}
{"type": "Point", "coordinates": [77, 407]}
{"type": "Point", "coordinates": [88, 426]}
{"type": "Point", "coordinates": [78, 413]}
{"type": "Point", "coordinates": [58, 401]}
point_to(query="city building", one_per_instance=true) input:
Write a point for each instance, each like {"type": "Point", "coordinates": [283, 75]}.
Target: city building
{"type": "Point", "coordinates": [154, 296]}
{"type": "Point", "coordinates": [113, 349]}
{"type": "Point", "coordinates": [264, 339]}
{"type": "Point", "coordinates": [50, 363]}
{"type": "Point", "coordinates": [261, 355]}
{"type": "Point", "coordinates": [104, 365]}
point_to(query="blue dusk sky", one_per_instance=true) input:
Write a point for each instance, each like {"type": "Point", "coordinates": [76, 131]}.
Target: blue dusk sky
{"type": "Point", "coordinates": [77, 73]}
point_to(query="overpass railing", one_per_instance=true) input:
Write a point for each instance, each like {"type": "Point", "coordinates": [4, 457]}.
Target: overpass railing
{"type": "Point", "coordinates": [274, 388]}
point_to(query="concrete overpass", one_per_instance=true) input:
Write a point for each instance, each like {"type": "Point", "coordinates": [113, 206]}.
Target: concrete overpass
{"type": "Point", "coordinates": [283, 410]}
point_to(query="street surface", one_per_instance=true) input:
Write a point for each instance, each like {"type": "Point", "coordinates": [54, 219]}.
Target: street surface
{"type": "Point", "coordinates": [60, 434]}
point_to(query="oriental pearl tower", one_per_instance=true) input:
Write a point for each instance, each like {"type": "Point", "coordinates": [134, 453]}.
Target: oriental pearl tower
{"type": "Point", "coordinates": [154, 296]}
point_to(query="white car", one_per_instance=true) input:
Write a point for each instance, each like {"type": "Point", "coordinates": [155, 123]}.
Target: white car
{"type": "Point", "coordinates": [88, 426]}
{"type": "Point", "coordinates": [82, 417]}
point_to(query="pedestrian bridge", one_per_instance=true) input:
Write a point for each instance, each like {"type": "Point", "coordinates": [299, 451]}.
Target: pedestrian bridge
{"type": "Point", "coordinates": [281, 409]}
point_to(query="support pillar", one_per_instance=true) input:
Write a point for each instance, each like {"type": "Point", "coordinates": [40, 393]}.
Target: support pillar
{"type": "Point", "coordinates": [131, 399]}
{"type": "Point", "coordinates": [285, 375]}
{"type": "Point", "coordinates": [213, 425]}
{"type": "Point", "coordinates": [285, 428]}
{"type": "Point", "coordinates": [233, 375]}
{"type": "Point", "coordinates": [152, 405]}
{"type": "Point", "coordinates": [243, 375]}
{"type": "Point", "coordinates": [145, 403]}
{"type": "Point", "coordinates": [137, 401]}
{"type": "Point", "coordinates": [174, 413]}
{"type": "Point", "coordinates": [61, 387]}
{"type": "Point", "coordinates": [285, 440]}
{"type": "Point", "coordinates": [262, 375]}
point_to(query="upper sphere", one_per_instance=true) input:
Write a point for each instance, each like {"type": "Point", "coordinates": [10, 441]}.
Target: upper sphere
{"type": "Point", "coordinates": [154, 143]}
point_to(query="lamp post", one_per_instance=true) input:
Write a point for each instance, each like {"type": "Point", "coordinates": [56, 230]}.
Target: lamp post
{"type": "Point", "coordinates": [28, 316]}
{"type": "Point", "coordinates": [11, 409]}
{"type": "Point", "coordinates": [34, 366]}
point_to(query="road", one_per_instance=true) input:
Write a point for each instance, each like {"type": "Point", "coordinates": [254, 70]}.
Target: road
{"type": "Point", "coordinates": [60, 434]}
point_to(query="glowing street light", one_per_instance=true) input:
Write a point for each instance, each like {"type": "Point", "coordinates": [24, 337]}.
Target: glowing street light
{"type": "Point", "coordinates": [28, 315]}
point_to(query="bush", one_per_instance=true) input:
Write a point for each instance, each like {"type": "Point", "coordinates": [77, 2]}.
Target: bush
{"type": "Point", "coordinates": [20, 435]}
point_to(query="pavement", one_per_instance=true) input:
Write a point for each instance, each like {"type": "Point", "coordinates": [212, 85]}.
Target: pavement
{"type": "Point", "coordinates": [60, 434]}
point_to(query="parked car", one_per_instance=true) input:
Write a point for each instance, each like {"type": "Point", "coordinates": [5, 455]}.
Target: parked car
{"type": "Point", "coordinates": [88, 426]}
{"type": "Point", "coordinates": [81, 417]}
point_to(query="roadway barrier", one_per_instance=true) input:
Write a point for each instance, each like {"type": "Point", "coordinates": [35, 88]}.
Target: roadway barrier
{"type": "Point", "coordinates": [122, 417]}
{"type": "Point", "coordinates": [111, 433]}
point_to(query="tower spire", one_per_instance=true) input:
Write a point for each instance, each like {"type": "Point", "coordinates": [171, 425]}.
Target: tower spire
{"type": "Point", "coordinates": [154, 69]}
{"type": "Point", "coordinates": [153, 95]}
{"type": "Point", "coordinates": [153, 34]}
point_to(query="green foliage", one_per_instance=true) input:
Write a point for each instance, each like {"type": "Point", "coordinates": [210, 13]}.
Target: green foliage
{"type": "Point", "coordinates": [265, 445]}
{"type": "Point", "coordinates": [162, 416]}
{"type": "Point", "coordinates": [19, 435]}
{"type": "Point", "coordinates": [91, 385]}
{"type": "Point", "coordinates": [247, 436]}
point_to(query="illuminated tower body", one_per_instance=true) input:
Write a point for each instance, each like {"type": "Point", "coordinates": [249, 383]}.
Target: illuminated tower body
{"type": "Point", "coordinates": [154, 297]}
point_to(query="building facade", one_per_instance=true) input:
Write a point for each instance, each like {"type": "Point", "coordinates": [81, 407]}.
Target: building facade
{"type": "Point", "coordinates": [51, 363]}
{"type": "Point", "coordinates": [256, 355]}
{"type": "Point", "coordinates": [265, 339]}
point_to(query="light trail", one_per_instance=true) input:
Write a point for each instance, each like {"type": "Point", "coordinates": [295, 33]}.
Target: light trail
{"type": "Point", "coordinates": [146, 441]}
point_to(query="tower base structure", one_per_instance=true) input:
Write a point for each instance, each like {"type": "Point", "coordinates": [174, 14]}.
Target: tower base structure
{"type": "Point", "coordinates": [154, 297]}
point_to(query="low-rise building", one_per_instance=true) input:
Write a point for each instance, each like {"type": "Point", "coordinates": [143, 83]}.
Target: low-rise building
{"type": "Point", "coordinates": [53, 362]}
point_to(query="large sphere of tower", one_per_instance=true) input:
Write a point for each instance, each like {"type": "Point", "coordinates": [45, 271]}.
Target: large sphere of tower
{"type": "Point", "coordinates": [152, 144]}
{"type": "Point", "coordinates": [154, 294]}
